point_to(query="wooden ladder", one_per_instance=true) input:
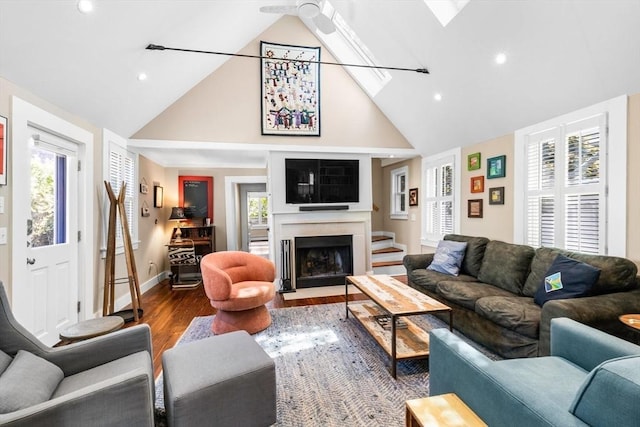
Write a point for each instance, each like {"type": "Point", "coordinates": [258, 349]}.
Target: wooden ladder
{"type": "Point", "coordinates": [117, 206]}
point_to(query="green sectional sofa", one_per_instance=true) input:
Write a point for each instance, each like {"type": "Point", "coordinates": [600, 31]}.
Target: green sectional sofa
{"type": "Point", "coordinates": [492, 297]}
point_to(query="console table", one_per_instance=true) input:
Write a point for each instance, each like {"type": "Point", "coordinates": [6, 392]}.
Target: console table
{"type": "Point", "coordinates": [203, 239]}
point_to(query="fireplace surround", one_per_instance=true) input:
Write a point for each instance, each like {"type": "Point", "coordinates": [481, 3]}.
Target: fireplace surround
{"type": "Point", "coordinates": [323, 260]}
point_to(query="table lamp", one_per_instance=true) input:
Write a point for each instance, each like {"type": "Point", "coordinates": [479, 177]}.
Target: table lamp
{"type": "Point", "coordinates": [177, 214]}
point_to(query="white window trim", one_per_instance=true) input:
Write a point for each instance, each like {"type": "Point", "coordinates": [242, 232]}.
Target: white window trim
{"type": "Point", "coordinates": [429, 162]}
{"type": "Point", "coordinates": [616, 205]}
{"type": "Point", "coordinates": [109, 138]}
{"type": "Point", "coordinates": [395, 212]}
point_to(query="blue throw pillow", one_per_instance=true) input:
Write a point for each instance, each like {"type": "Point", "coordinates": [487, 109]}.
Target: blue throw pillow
{"type": "Point", "coordinates": [566, 278]}
{"type": "Point", "coordinates": [448, 257]}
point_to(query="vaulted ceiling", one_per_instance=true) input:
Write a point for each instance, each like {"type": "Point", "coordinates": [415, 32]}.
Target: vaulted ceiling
{"type": "Point", "coordinates": [561, 55]}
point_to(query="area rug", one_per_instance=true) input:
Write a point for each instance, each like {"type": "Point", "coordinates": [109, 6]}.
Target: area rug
{"type": "Point", "coordinates": [319, 291]}
{"type": "Point", "coordinates": [329, 370]}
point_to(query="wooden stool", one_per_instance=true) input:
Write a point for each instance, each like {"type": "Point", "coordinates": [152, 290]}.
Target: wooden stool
{"type": "Point", "coordinates": [446, 410]}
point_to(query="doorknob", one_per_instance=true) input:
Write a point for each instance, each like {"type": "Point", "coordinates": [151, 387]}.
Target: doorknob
{"type": "Point", "coordinates": [31, 261]}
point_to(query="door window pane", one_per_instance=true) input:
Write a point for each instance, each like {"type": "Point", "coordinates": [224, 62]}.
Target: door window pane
{"type": "Point", "coordinates": [47, 225]}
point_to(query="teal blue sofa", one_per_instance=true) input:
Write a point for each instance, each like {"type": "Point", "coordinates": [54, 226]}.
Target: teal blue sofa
{"type": "Point", "coordinates": [591, 378]}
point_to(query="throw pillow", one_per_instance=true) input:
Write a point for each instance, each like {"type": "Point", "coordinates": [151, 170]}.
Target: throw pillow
{"type": "Point", "coordinates": [27, 381]}
{"type": "Point", "coordinates": [566, 278]}
{"type": "Point", "coordinates": [448, 257]}
{"type": "Point", "coordinates": [5, 361]}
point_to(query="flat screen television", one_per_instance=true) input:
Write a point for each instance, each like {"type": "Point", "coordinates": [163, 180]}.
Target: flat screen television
{"type": "Point", "coordinates": [322, 181]}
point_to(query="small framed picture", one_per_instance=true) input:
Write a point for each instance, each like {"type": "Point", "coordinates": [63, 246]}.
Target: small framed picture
{"type": "Point", "coordinates": [473, 161]}
{"type": "Point", "coordinates": [496, 167]}
{"type": "Point", "coordinates": [144, 188]}
{"type": "Point", "coordinates": [474, 208]}
{"type": "Point", "coordinates": [413, 197]}
{"type": "Point", "coordinates": [477, 184]}
{"type": "Point", "coordinates": [496, 196]}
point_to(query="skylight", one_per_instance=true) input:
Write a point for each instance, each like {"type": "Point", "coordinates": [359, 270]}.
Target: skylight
{"type": "Point", "coordinates": [446, 10]}
{"type": "Point", "coordinates": [347, 47]}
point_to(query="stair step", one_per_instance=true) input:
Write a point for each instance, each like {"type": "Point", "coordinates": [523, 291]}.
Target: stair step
{"type": "Point", "coordinates": [386, 251]}
{"type": "Point", "coordinates": [385, 263]}
{"type": "Point", "coordinates": [380, 238]}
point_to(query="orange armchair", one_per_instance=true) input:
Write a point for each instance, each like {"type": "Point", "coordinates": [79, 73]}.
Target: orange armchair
{"type": "Point", "coordinates": [238, 285]}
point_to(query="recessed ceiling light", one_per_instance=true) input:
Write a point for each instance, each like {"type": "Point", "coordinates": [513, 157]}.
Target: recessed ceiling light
{"type": "Point", "coordinates": [437, 97]}
{"type": "Point", "coordinates": [501, 58]}
{"type": "Point", "coordinates": [85, 6]}
{"type": "Point", "coordinates": [142, 77]}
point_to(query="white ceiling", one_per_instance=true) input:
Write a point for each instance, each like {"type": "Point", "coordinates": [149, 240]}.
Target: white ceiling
{"type": "Point", "coordinates": [562, 55]}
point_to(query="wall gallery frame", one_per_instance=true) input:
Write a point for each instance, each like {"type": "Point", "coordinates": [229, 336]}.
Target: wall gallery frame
{"type": "Point", "coordinates": [3, 150]}
{"type": "Point", "coordinates": [496, 196]}
{"type": "Point", "coordinates": [496, 167]}
{"type": "Point", "coordinates": [473, 161]}
{"type": "Point", "coordinates": [474, 208]}
{"type": "Point", "coordinates": [290, 80]}
{"type": "Point", "coordinates": [477, 184]}
{"type": "Point", "coordinates": [413, 197]}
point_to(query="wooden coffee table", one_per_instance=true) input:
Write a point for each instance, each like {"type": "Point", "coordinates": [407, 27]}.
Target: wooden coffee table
{"type": "Point", "coordinates": [395, 333]}
{"type": "Point", "coordinates": [443, 411]}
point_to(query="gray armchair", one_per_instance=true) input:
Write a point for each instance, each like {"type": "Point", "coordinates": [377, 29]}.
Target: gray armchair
{"type": "Point", "coordinates": [107, 381]}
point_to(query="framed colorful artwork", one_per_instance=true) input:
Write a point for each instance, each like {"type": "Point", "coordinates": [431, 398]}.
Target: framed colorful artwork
{"type": "Point", "coordinates": [196, 196]}
{"type": "Point", "coordinates": [496, 196]}
{"type": "Point", "coordinates": [474, 208]}
{"type": "Point", "coordinates": [496, 167]}
{"type": "Point", "coordinates": [473, 161]}
{"type": "Point", "coordinates": [3, 150]}
{"type": "Point", "coordinates": [290, 80]}
{"type": "Point", "coordinates": [413, 197]}
{"type": "Point", "coordinates": [477, 184]}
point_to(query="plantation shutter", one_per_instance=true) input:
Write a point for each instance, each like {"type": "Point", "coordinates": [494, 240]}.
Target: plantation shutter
{"type": "Point", "coordinates": [584, 186]}
{"type": "Point", "coordinates": [439, 195]}
{"type": "Point", "coordinates": [565, 191]}
{"type": "Point", "coordinates": [122, 169]}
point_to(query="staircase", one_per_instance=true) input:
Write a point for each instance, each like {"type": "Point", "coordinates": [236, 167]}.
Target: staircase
{"type": "Point", "coordinates": [386, 254]}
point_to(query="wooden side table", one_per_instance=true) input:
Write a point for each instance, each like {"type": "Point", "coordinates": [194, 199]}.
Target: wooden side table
{"type": "Point", "coordinates": [446, 410]}
{"type": "Point", "coordinates": [631, 320]}
{"type": "Point", "coordinates": [91, 328]}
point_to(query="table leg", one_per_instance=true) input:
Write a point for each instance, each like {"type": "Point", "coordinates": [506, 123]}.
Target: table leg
{"type": "Point", "coordinates": [346, 297]}
{"type": "Point", "coordinates": [393, 346]}
{"type": "Point", "coordinates": [450, 320]}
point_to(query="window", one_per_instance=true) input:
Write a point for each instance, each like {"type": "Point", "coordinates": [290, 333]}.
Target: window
{"type": "Point", "coordinates": [348, 48]}
{"type": "Point", "coordinates": [439, 213]}
{"type": "Point", "coordinates": [399, 193]}
{"type": "Point", "coordinates": [258, 209]}
{"type": "Point", "coordinates": [121, 166]}
{"type": "Point", "coordinates": [565, 201]}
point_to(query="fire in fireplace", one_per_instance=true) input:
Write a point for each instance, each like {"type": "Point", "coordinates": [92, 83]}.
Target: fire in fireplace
{"type": "Point", "coordinates": [323, 260]}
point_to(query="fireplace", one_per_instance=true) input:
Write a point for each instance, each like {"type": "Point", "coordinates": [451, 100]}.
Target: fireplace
{"type": "Point", "coordinates": [323, 260]}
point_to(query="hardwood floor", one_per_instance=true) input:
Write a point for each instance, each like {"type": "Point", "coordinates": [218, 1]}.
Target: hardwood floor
{"type": "Point", "coordinates": [169, 312]}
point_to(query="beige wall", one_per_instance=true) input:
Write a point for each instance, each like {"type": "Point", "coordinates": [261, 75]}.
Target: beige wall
{"type": "Point", "coordinates": [497, 220]}
{"type": "Point", "coordinates": [219, 206]}
{"type": "Point", "coordinates": [633, 179]}
{"type": "Point", "coordinates": [407, 231]}
{"type": "Point", "coordinates": [225, 106]}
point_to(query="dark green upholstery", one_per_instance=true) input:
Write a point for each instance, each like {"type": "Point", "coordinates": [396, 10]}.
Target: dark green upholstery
{"type": "Point", "coordinates": [506, 265]}
{"type": "Point", "coordinates": [492, 299]}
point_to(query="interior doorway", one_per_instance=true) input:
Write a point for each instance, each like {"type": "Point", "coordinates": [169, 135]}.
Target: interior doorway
{"type": "Point", "coordinates": [258, 224]}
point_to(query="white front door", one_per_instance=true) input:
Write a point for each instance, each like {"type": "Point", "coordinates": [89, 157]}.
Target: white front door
{"type": "Point", "coordinates": [52, 235]}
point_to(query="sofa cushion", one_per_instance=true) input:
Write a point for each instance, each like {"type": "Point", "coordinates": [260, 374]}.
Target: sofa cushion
{"type": "Point", "coordinates": [518, 314]}
{"type": "Point", "coordinates": [5, 361]}
{"type": "Point", "coordinates": [618, 379]}
{"type": "Point", "coordinates": [466, 294]}
{"type": "Point", "coordinates": [474, 254]}
{"type": "Point", "coordinates": [448, 257]}
{"type": "Point", "coordinates": [540, 264]}
{"type": "Point", "coordinates": [506, 265]}
{"type": "Point", "coordinates": [428, 279]}
{"type": "Point", "coordinates": [27, 381]}
{"type": "Point", "coordinates": [566, 278]}
{"type": "Point", "coordinates": [616, 274]}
